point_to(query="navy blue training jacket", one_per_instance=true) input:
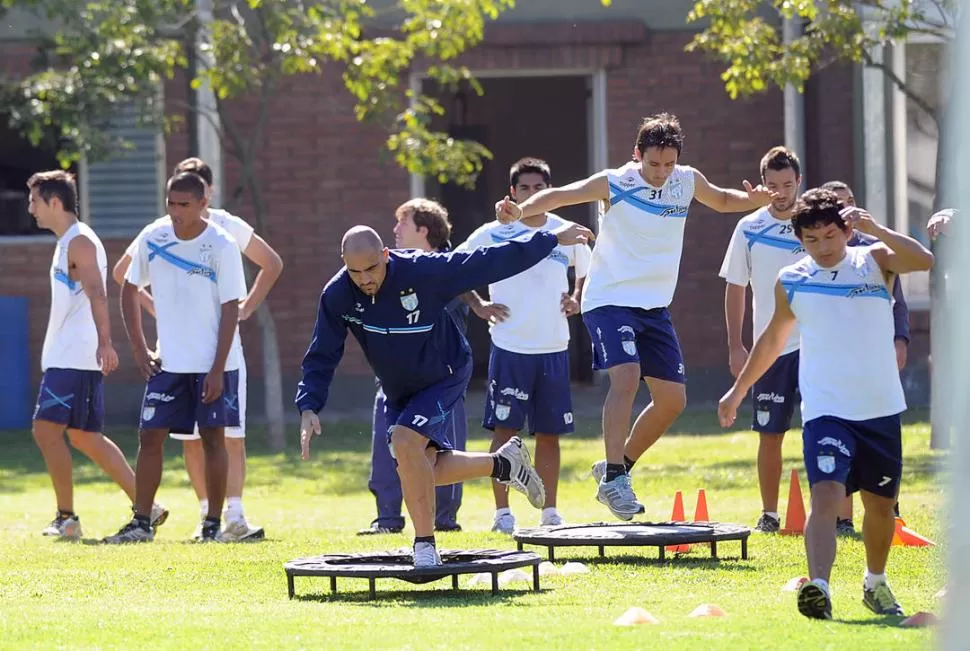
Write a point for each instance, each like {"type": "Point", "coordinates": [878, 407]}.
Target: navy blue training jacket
{"type": "Point", "coordinates": [405, 330]}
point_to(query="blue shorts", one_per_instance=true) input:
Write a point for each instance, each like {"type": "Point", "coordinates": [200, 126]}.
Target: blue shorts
{"type": "Point", "coordinates": [173, 402]}
{"type": "Point", "coordinates": [72, 398]}
{"type": "Point", "coordinates": [536, 386]}
{"type": "Point", "coordinates": [775, 395]}
{"type": "Point", "coordinates": [622, 335]}
{"type": "Point", "coordinates": [864, 454]}
{"type": "Point", "coordinates": [428, 412]}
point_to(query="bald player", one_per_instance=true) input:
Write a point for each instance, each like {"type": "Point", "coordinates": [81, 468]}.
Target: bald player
{"type": "Point", "coordinates": [394, 303]}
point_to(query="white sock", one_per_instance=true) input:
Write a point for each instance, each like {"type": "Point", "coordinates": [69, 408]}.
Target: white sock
{"type": "Point", "coordinates": [204, 507]}
{"type": "Point", "coordinates": [549, 511]}
{"type": "Point", "coordinates": [234, 508]}
{"type": "Point", "coordinates": [504, 511]}
{"type": "Point", "coordinates": [872, 580]}
{"type": "Point", "coordinates": [773, 514]}
{"type": "Point", "coordinates": [822, 583]}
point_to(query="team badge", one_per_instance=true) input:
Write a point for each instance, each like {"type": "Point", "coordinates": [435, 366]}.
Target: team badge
{"type": "Point", "coordinates": [409, 300]}
{"type": "Point", "coordinates": [147, 413]}
{"type": "Point", "coordinates": [502, 411]}
{"type": "Point", "coordinates": [763, 417]}
{"type": "Point", "coordinates": [826, 463]}
{"type": "Point", "coordinates": [676, 190]}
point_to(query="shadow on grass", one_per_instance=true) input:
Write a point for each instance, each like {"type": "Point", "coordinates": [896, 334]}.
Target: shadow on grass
{"type": "Point", "coordinates": [722, 563]}
{"type": "Point", "coordinates": [356, 592]}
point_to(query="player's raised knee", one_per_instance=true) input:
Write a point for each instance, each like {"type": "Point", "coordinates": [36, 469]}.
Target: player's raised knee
{"type": "Point", "coordinates": [406, 442]}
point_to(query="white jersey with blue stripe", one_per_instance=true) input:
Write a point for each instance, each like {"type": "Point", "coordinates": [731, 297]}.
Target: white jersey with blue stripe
{"type": "Point", "coordinates": [760, 247]}
{"type": "Point", "coordinates": [536, 324]}
{"type": "Point", "coordinates": [636, 259]}
{"type": "Point", "coordinates": [190, 281]}
{"type": "Point", "coordinates": [72, 337]}
{"type": "Point", "coordinates": [847, 366]}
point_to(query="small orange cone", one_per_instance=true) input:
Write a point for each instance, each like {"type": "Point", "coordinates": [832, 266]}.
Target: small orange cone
{"type": "Point", "coordinates": [700, 512]}
{"type": "Point", "coordinates": [708, 610]}
{"type": "Point", "coordinates": [920, 619]}
{"type": "Point", "coordinates": [903, 536]}
{"type": "Point", "coordinates": [678, 516]}
{"type": "Point", "coordinates": [795, 514]}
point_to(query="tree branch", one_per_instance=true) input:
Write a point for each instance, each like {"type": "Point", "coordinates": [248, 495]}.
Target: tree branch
{"type": "Point", "coordinates": [901, 85]}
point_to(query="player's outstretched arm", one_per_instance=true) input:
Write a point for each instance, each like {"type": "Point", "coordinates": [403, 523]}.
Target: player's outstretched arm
{"type": "Point", "coordinates": [83, 256]}
{"type": "Point", "coordinates": [898, 253]}
{"type": "Point", "coordinates": [324, 353]}
{"type": "Point", "coordinates": [594, 188]}
{"type": "Point", "coordinates": [764, 353]}
{"type": "Point", "coordinates": [727, 200]}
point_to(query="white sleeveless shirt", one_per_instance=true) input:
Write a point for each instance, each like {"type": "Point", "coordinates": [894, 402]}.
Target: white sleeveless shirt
{"type": "Point", "coordinates": [636, 257]}
{"type": "Point", "coordinates": [847, 367]}
{"type": "Point", "coordinates": [71, 341]}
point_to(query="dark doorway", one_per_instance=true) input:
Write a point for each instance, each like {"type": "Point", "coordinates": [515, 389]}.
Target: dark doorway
{"type": "Point", "coordinates": [544, 117]}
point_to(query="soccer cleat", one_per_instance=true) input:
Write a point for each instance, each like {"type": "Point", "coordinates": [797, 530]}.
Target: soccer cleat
{"type": "Point", "coordinates": [523, 477]}
{"type": "Point", "coordinates": [133, 532]}
{"type": "Point", "coordinates": [768, 524]}
{"type": "Point", "coordinates": [197, 534]}
{"type": "Point", "coordinates": [376, 530]}
{"type": "Point", "coordinates": [844, 527]}
{"type": "Point", "coordinates": [426, 555]}
{"type": "Point", "coordinates": [241, 531]}
{"type": "Point", "coordinates": [553, 519]}
{"type": "Point", "coordinates": [210, 532]}
{"type": "Point", "coordinates": [504, 523]}
{"type": "Point", "coordinates": [619, 498]}
{"type": "Point", "coordinates": [65, 527]}
{"type": "Point", "coordinates": [599, 471]}
{"type": "Point", "coordinates": [881, 600]}
{"type": "Point", "coordinates": [814, 601]}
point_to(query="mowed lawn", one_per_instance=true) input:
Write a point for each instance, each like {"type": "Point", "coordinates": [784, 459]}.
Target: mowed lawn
{"type": "Point", "coordinates": [176, 594]}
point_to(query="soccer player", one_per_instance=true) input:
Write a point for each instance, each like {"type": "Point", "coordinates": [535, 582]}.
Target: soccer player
{"type": "Point", "coordinates": [632, 277]}
{"type": "Point", "coordinates": [77, 353]}
{"type": "Point", "coordinates": [423, 225]}
{"type": "Point", "coordinates": [195, 271]}
{"type": "Point", "coordinates": [259, 252]}
{"type": "Point", "coordinates": [840, 299]}
{"type": "Point", "coordinates": [394, 303]}
{"type": "Point", "coordinates": [528, 367]}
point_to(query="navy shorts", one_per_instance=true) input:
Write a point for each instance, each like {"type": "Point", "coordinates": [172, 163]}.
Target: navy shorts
{"type": "Point", "coordinates": [72, 398]}
{"type": "Point", "coordinates": [428, 412]}
{"type": "Point", "coordinates": [775, 395]}
{"type": "Point", "coordinates": [534, 386]}
{"type": "Point", "coordinates": [862, 454]}
{"type": "Point", "coordinates": [173, 402]}
{"type": "Point", "coordinates": [622, 335]}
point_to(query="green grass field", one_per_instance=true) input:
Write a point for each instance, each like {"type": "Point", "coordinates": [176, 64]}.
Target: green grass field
{"type": "Point", "coordinates": [175, 594]}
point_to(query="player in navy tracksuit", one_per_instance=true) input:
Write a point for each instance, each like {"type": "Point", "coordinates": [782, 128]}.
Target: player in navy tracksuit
{"type": "Point", "coordinates": [394, 304]}
{"type": "Point", "coordinates": [421, 224]}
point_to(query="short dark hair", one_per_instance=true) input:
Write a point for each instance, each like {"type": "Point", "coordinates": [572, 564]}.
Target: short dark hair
{"type": "Point", "coordinates": [835, 186]}
{"type": "Point", "coordinates": [661, 130]}
{"type": "Point", "coordinates": [780, 158]}
{"type": "Point", "coordinates": [56, 183]}
{"type": "Point", "coordinates": [198, 166]}
{"type": "Point", "coordinates": [431, 215]}
{"type": "Point", "coordinates": [817, 208]}
{"type": "Point", "coordinates": [530, 165]}
{"type": "Point", "coordinates": [188, 182]}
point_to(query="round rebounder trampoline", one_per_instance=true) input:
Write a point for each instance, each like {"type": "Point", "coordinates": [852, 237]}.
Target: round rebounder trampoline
{"type": "Point", "coordinates": [398, 565]}
{"type": "Point", "coordinates": [665, 536]}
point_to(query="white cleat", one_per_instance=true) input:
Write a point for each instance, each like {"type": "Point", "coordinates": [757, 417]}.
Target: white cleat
{"type": "Point", "coordinates": [64, 527]}
{"type": "Point", "coordinates": [619, 497]}
{"type": "Point", "coordinates": [241, 531]}
{"type": "Point", "coordinates": [523, 477]}
{"type": "Point", "coordinates": [504, 523]}
{"type": "Point", "coordinates": [551, 519]}
{"type": "Point", "coordinates": [426, 555]}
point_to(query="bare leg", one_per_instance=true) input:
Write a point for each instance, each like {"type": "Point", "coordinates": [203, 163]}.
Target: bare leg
{"type": "Point", "coordinates": [547, 465]}
{"type": "Point", "coordinates": [618, 409]}
{"type": "Point", "coordinates": [216, 462]}
{"type": "Point", "coordinates": [500, 437]}
{"type": "Point", "coordinates": [826, 499]}
{"type": "Point", "coordinates": [668, 401]}
{"type": "Point", "coordinates": [195, 466]}
{"type": "Point", "coordinates": [769, 469]}
{"type": "Point", "coordinates": [878, 527]}
{"type": "Point", "coordinates": [417, 478]}
{"type": "Point", "coordinates": [236, 477]}
{"type": "Point", "coordinates": [148, 469]}
{"type": "Point", "coordinates": [453, 467]}
{"type": "Point", "coordinates": [846, 513]}
{"type": "Point", "coordinates": [57, 456]}
{"type": "Point", "coordinates": [108, 456]}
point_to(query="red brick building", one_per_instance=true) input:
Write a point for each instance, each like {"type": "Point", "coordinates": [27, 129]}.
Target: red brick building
{"type": "Point", "coordinates": [571, 90]}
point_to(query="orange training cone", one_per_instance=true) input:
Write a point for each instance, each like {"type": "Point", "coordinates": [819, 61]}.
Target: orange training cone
{"type": "Point", "coordinates": [795, 514]}
{"type": "Point", "coordinates": [700, 512]}
{"type": "Point", "coordinates": [905, 537]}
{"type": "Point", "coordinates": [678, 516]}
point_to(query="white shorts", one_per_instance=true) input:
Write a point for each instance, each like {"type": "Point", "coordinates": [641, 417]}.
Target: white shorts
{"type": "Point", "coordinates": [231, 432]}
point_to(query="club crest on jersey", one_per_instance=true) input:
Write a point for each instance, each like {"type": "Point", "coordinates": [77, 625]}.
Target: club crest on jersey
{"type": "Point", "coordinates": [628, 340]}
{"type": "Point", "coordinates": [502, 411]}
{"type": "Point", "coordinates": [676, 190]}
{"type": "Point", "coordinates": [409, 300]}
{"type": "Point", "coordinates": [826, 463]}
{"type": "Point", "coordinates": [205, 254]}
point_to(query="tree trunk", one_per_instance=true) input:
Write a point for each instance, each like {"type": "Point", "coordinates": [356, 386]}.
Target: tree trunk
{"type": "Point", "coordinates": [272, 380]}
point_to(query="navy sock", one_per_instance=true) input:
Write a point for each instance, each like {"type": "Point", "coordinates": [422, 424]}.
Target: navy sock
{"type": "Point", "coordinates": [614, 470]}
{"type": "Point", "coordinates": [424, 539]}
{"type": "Point", "coordinates": [501, 468]}
{"type": "Point", "coordinates": [628, 463]}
